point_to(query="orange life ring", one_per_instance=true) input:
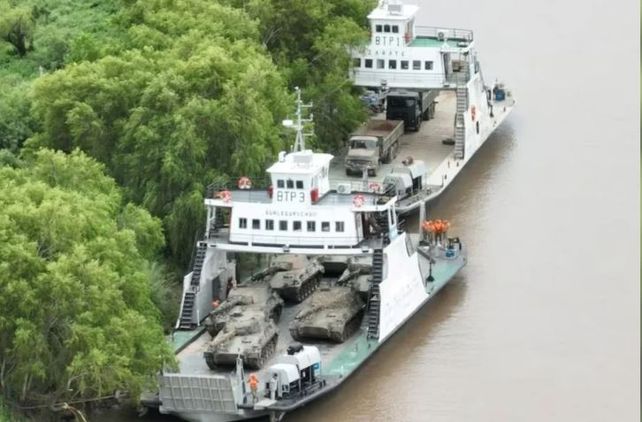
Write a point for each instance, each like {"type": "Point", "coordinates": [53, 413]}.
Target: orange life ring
{"type": "Point", "coordinates": [358, 200]}
{"type": "Point", "coordinates": [225, 195]}
{"type": "Point", "coordinates": [407, 37]}
{"type": "Point", "coordinates": [374, 187]}
{"type": "Point", "coordinates": [245, 183]}
{"type": "Point", "coordinates": [473, 112]}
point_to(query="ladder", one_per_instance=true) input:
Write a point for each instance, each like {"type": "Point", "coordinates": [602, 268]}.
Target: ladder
{"type": "Point", "coordinates": [460, 125]}
{"type": "Point", "coordinates": [374, 297]}
{"type": "Point", "coordinates": [189, 297]}
{"type": "Point", "coordinates": [201, 249]}
{"type": "Point", "coordinates": [186, 321]}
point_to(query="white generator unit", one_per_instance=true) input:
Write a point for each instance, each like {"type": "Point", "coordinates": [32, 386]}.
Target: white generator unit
{"type": "Point", "coordinates": [406, 179]}
{"type": "Point", "coordinates": [295, 371]}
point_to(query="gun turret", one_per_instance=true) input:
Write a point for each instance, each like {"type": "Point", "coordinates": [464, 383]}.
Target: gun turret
{"type": "Point", "coordinates": [349, 275]}
{"type": "Point", "coordinates": [222, 337]}
{"type": "Point", "coordinates": [269, 271]}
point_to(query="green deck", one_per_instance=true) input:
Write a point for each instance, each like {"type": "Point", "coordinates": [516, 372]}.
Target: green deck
{"type": "Point", "coordinates": [181, 339]}
{"type": "Point", "coordinates": [434, 42]}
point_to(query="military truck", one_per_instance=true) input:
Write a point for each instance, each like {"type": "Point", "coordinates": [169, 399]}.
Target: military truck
{"type": "Point", "coordinates": [375, 142]}
{"type": "Point", "coordinates": [331, 313]}
{"type": "Point", "coordinates": [412, 107]}
{"type": "Point", "coordinates": [243, 297]}
{"type": "Point", "coordinates": [248, 334]}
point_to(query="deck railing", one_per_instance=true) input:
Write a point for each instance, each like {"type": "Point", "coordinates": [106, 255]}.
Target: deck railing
{"type": "Point", "coordinates": [449, 33]}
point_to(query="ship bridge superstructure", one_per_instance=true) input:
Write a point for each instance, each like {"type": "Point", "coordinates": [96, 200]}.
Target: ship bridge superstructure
{"type": "Point", "coordinates": [401, 54]}
{"type": "Point", "coordinates": [302, 212]}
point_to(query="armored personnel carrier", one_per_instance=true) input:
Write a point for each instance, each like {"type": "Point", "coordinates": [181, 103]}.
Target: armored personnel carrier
{"type": "Point", "coordinates": [258, 297]}
{"type": "Point", "coordinates": [332, 313]}
{"type": "Point", "coordinates": [249, 334]}
{"type": "Point", "coordinates": [294, 277]}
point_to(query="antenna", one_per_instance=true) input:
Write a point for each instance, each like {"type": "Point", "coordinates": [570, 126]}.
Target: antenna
{"type": "Point", "coordinates": [298, 125]}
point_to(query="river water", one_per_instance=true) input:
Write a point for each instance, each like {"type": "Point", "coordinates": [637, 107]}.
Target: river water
{"type": "Point", "coordinates": [544, 322]}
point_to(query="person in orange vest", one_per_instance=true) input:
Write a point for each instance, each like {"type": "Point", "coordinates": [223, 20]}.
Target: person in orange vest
{"type": "Point", "coordinates": [254, 386]}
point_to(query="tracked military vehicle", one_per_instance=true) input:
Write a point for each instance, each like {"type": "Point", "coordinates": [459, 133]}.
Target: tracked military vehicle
{"type": "Point", "coordinates": [249, 334]}
{"type": "Point", "coordinates": [332, 313]}
{"type": "Point", "coordinates": [358, 275]}
{"type": "Point", "coordinates": [293, 277]}
{"type": "Point", "coordinates": [258, 297]}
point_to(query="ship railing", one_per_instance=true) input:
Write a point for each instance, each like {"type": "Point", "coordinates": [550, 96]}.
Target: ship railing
{"type": "Point", "coordinates": [448, 33]}
{"type": "Point", "coordinates": [259, 183]}
{"type": "Point", "coordinates": [347, 186]}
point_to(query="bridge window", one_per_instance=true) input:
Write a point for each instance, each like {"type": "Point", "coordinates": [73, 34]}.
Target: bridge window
{"type": "Point", "coordinates": [386, 28]}
{"type": "Point", "coordinates": [256, 224]}
{"type": "Point", "coordinates": [416, 65]}
{"type": "Point", "coordinates": [290, 183]}
{"type": "Point", "coordinates": [296, 226]}
{"type": "Point", "coordinates": [395, 29]}
{"type": "Point", "coordinates": [242, 223]}
{"type": "Point", "coordinates": [428, 65]}
{"type": "Point", "coordinates": [325, 226]}
{"type": "Point", "coordinates": [299, 184]}
{"type": "Point", "coordinates": [269, 224]}
{"type": "Point", "coordinates": [392, 64]}
{"type": "Point", "coordinates": [283, 225]}
{"type": "Point", "coordinates": [377, 28]}
{"type": "Point", "coordinates": [280, 183]}
{"type": "Point", "coordinates": [312, 226]}
{"type": "Point", "coordinates": [356, 62]}
{"type": "Point", "coordinates": [380, 63]}
{"type": "Point", "coordinates": [368, 63]}
{"type": "Point", "coordinates": [404, 64]}
{"type": "Point", "coordinates": [339, 226]}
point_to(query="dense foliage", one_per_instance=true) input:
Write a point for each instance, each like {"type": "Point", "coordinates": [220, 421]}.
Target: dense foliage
{"type": "Point", "coordinates": [168, 96]}
{"type": "Point", "coordinates": [77, 315]}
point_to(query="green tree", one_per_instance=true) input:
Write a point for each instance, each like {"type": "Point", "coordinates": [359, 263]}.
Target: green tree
{"type": "Point", "coordinates": [203, 100]}
{"type": "Point", "coordinates": [16, 26]}
{"type": "Point", "coordinates": [78, 319]}
{"type": "Point", "coordinates": [310, 41]}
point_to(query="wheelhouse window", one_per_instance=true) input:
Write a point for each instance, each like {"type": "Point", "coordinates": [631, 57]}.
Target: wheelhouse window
{"type": "Point", "coordinates": [378, 28]}
{"type": "Point", "coordinates": [386, 28]}
{"type": "Point", "coordinates": [299, 184]}
{"type": "Point", "coordinates": [416, 65]}
{"type": "Point", "coordinates": [356, 62]}
{"type": "Point", "coordinates": [428, 65]}
{"type": "Point", "coordinates": [395, 29]}
{"type": "Point", "coordinates": [381, 63]}
{"type": "Point", "coordinates": [269, 224]}
{"type": "Point", "coordinates": [325, 226]}
{"type": "Point", "coordinates": [404, 65]}
{"type": "Point", "coordinates": [311, 226]}
{"type": "Point", "coordinates": [283, 225]}
{"type": "Point", "coordinates": [296, 226]}
{"type": "Point", "coordinates": [339, 226]}
{"type": "Point", "coordinates": [368, 63]}
{"type": "Point", "coordinates": [256, 224]}
{"type": "Point", "coordinates": [280, 183]}
{"type": "Point", "coordinates": [290, 183]}
{"type": "Point", "coordinates": [242, 223]}
{"type": "Point", "coordinates": [392, 64]}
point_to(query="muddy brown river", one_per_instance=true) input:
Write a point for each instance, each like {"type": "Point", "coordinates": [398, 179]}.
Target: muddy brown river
{"type": "Point", "coordinates": [543, 324]}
